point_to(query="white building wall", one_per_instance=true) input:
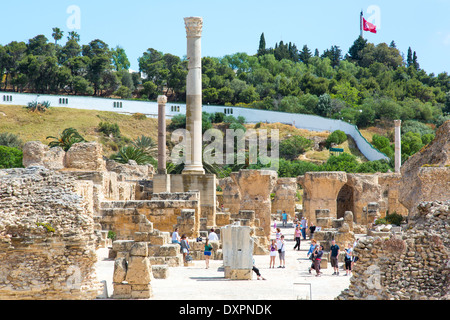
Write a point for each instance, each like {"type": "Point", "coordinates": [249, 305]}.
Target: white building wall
{"type": "Point", "coordinates": [150, 108]}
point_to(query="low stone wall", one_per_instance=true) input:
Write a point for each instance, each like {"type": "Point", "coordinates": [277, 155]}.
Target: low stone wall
{"type": "Point", "coordinates": [47, 238]}
{"type": "Point", "coordinates": [415, 266]}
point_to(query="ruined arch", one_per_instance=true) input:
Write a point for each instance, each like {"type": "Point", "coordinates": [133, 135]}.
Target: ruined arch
{"type": "Point", "coordinates": [344, 200]}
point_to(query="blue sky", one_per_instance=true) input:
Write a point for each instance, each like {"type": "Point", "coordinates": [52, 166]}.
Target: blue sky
{"type": "Point", "coordinates": [235, 26]}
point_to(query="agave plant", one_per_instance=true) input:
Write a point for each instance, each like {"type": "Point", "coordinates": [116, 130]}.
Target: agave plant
{"type": "Point", "coordinates": [128, 153]}
{"type": "Point", "coordinates": [35, 106]}
{"type": "Point", "coordinates": [66, 139]}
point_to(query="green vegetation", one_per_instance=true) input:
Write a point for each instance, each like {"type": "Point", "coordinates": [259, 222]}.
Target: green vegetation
{"type": "Point", "coordinates": [336, 137]}
{"type": "Point", "coordinates": [393, 218]}
{"type": "Point", "coordinates": [10, 157]}
{"type": "Point", "coordinates": [67, 138]}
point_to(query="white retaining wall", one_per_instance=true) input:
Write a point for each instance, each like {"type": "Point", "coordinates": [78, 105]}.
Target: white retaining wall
{"type": "Point", "coordinates": [150, 108]}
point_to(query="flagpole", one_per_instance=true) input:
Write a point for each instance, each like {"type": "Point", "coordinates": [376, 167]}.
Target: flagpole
{"type": "Point", "coordinates": [361, 24]}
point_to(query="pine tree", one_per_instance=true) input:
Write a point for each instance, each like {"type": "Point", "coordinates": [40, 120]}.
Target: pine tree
{"type": "Point", "coordinates": [262, 45]}
{"type": "Point", "coordinates": [409, 58]}
{"type": "Point", "coordinates": [356, 48]}
{"type": "Point", "coordinates": [305, 54]}
{"type": "Point", "coordinates": [415, 62]}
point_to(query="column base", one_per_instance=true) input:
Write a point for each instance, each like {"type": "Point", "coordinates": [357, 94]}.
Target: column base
{"type": "Point", "coordinates": [193, 170]}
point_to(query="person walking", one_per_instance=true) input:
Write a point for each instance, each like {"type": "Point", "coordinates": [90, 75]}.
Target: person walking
{"type": "Point", "coordinates": [184, 247]}
{"type": "Point", "coordinates": [207, 253]}
{"type": "Point", "coordinates": [297, 237]}
{"type": "Point", "coordinates": [273, 253]}
{"type": "Point", "coordinates": [304, 224]}
{"type": "Point", "coordinates": [334, 257]}
{"type": "Point", "coordinates": [284, 216]}
{"type": "Point", "coordinates": [282, 251]}
{"type": "Point", "coordinates": [348, 259]}
{"type": "Point", "coordinates": [175, 236]}
{"type": "Point", "coordinates": [310, 254]}
{"type": "Point", "coordinates": [312, 229]}
{"type": "Point", "coordinates": [213, 235]}
{"type": "Point", "coordinates": [318, 253]}
{"type": "Point", "coordinates": [278, 234]}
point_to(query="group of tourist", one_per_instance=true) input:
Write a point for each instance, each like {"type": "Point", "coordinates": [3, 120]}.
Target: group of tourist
{"type": "Point", "coordinates": [185, 247]}
{"type": "Point", "coordinates": [315, 252]}
{"type": "Point", "coordinates": [277, 247]}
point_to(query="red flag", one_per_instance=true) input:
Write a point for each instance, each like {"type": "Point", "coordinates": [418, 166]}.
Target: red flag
{"type": "Point", "coordinates": [367, 26]}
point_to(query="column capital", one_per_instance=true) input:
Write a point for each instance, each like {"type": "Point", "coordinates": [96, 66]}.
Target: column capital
{"type": "Point", "coordinates": [397, 123]}
{"type": "Point", "coordinates": [194, 26]}
{"type": "Point", "coordinates": [162, 99]}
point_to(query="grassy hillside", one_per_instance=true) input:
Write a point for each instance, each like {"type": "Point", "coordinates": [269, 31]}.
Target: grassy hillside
{"type": "Point", "coordinates": [38, 126]}
{"type": "Point", "coordinates": [31, 126]}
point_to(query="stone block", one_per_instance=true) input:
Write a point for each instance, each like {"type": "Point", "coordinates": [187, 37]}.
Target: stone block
{"type": "Point", "coordinates": [141, 291]}
{"type": "Point", "coordinates": [120, 270]}
{"type": "Point", "coordinates": [85, 156]}
{"type": "Point", "coordinates": [139, 249]}
{"type": "Point", "coordinates": [122, 245]}
{"type": "Point", "coordinates": [122, 291]}
{"type": "Point", "coordinates": [240, 274]}
{"type": "Point", "coordinates": [169, 250]}
{"type": "Point", "coordinates": [139, 270]}
{"type": "Point", "coordinates": [160, 271]}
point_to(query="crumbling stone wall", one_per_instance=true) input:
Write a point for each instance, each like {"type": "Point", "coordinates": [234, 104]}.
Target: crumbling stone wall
{"type": "Point", "coordinates": [414, 266]}
{"type": "Point", "coordinates": [285, 196]}
{"type": "Point", "coordinates": [47, 237]}
{"type": "Point", "coordinates": [163, 212]}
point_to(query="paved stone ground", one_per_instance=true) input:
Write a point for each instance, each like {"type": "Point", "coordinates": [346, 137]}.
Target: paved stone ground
{"type": "Point", "coordinates": [198, 283]}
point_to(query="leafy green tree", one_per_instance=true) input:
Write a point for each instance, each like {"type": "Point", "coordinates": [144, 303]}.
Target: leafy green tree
{"type": "Point", "coordinates": [123, 92]}
{"type": "Point", "coordinates": [324, 106]}
{"type": "Point", "coordinates": [120, 59]}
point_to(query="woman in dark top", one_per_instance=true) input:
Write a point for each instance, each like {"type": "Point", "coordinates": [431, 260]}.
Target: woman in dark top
{"type": "Point", "coordinates": [318, 253]}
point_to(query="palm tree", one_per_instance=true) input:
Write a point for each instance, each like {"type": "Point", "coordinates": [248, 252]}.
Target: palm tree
{"type": "Point", "coordinates": [66, 139]}
{"type": "Point", "coordinates": [57, 34]}
{"type": "Point", "coordinates": [128, 153]}
{"type": "Point", "coordinates": [147, 145]}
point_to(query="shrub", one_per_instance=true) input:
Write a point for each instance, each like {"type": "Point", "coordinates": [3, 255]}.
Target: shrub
{"type": "Point", "coordinates": [178, 122]}
{"type": "Point", "coordinates": [139, 116]}
{"type": "Point", "coordinates": [10, 157]}
{"type": "Point", "coordinates": [10, 140]}
{"type": "Point", "coordinates": [394, 218]}
{"type": "Point", "coordinates": [109, 129]}
{"type": "Point", "coordinates": [294, 146]}
{"type": "Point", "coordinates": [337, 137]}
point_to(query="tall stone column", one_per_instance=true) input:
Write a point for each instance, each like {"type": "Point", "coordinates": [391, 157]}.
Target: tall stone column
{"type": "Point", "coordinates": [162, 100]}
{"type": "Point", "coordinates": [398, 145]}
{"type": "Point", "coordinates": [193, 163]}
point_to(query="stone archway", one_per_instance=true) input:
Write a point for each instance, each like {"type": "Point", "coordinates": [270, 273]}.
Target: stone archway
{"type": "Point", "coordinates": [344, 201]}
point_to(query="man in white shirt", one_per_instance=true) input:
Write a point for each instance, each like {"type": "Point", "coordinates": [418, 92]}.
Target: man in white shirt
{"type": "Point", "coordinates": [213, 236]}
